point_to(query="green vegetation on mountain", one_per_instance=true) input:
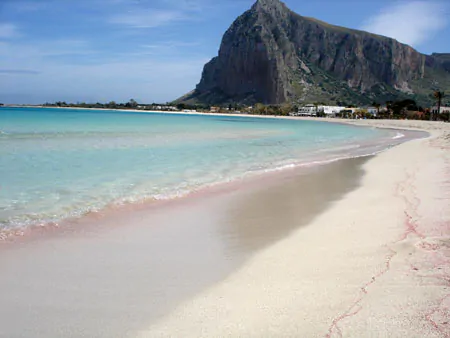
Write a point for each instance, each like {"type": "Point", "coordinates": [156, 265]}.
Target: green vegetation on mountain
{"type": "Point", "coordinates": [273, 55]}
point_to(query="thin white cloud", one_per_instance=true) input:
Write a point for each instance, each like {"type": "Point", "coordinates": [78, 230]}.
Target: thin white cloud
{"type": "Point", "coordinates": [146, 81]}
{"type": "Point", "coordinates": [65, 47]}
{"type": "Point", "coordinates": [39, 71]}
{"type": "Point", "coordinates": [170, 45]}
{"type": "Point", "coordinates": [410, 22]}
{"type": "Point", "coordinates": [45, 48]}
{"type": "Point", "coordinates": [147, 19]}
{"type": "Point", "coordinates": [19, 71]}
{"type": "Point", "coordinates": [156, 13]}
{"type": "Point", "coordinates": [188, 5]}
{"type": "Point", "coordinates": [8, 31]}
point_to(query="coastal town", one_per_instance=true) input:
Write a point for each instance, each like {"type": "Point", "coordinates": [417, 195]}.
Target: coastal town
{"type": "Point", "coordinates": [378, 111]}
{"type": "Point", "coordinates": [403, 109]}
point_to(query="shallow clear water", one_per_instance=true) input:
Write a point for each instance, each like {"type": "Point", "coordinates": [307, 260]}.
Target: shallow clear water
{"type": "Point", "coordinates": [59, 163]}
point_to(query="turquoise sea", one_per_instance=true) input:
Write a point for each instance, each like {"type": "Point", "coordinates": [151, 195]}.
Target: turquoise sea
{"type": "Point", "coordinates": [60, 163]}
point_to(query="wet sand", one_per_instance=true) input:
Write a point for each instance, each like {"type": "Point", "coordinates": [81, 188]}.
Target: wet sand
{"type": "Point", "coordinates": [112, 275]}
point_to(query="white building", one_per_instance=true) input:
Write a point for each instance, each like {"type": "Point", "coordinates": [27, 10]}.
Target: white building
{"type": "Point", "coordinates": [372, 111]}
{"type": "Point", "coordinates": [330, 110]}
{"type": "Point", "coordinates": [308, 110]}
{"type": "Point", "coordinates": [443, 110]}
{"type": "Point", "coordinates": [313, 110]}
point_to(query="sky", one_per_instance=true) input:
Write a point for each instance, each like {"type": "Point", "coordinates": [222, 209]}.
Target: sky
{"type": "Point", "coordinates": [154, 50]}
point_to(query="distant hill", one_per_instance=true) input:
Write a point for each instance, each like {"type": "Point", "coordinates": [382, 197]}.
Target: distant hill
{"type": "Point", "coordinates": [272, 55]}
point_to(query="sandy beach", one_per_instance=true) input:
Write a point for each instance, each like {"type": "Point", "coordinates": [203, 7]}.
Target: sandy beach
{"type": "Point", "coordinates": [376, 264]}
{"type": "Point", "coordinates": [356, 248]}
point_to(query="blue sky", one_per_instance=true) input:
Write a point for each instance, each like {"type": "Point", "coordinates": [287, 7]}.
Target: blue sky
{"type": "Point", "coordinates": [154, 50]}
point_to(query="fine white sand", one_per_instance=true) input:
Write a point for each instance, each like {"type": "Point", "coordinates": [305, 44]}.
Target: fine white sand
{"type": "Point", "coordinates": [376, 264]}
{"type": "Point", "coordinates": [113, 273]}
{"type": "Point", "coordinates": [283, 257]}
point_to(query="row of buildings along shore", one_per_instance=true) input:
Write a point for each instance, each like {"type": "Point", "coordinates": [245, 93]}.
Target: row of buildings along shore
{"type": "Point", "coordinates": [333, 111]}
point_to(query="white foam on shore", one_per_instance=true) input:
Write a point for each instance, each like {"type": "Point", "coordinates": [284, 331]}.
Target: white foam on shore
{"type": "Point", "coordinates": [19, 226]}
{"type": "Point", "coordinates": [398, 136]}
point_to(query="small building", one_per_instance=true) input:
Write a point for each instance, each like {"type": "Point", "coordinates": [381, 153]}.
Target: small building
{"type": "Point", "coordinates": [443, 110]}
{"type": "Point", "coordinates": [215, 109]}
{"type": "Point", "coordinates": [330, 111]}
{"type": "Point", "coordinates": [372, 111]}
{"type": "Point", "coordinates": [313, 110]}
{"type": "Point", "coordinates": [167, 108]}
{"type": "Point", "coordinates": [308, 110]}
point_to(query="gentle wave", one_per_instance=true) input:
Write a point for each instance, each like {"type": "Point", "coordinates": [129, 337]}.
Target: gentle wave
{"type": "Point", "coordinates": [18, 224]}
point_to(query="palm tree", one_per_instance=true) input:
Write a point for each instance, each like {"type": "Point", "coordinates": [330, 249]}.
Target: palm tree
{"type": "Point", "coordinates": [438, 96]}
{"type": "Point", "coordinates": [389, 105]}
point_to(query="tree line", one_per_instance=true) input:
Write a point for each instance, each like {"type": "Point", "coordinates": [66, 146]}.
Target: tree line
{"type": "Point", "coordinates": [401, 109]}
{"type": "Point", "coordinates": [410, 109]}
{"type": "Point", "coordinates": [131, 104]}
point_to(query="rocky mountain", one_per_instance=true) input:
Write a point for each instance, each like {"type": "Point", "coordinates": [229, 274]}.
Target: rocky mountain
{"type": "Point", "coordinates": [273, 55]}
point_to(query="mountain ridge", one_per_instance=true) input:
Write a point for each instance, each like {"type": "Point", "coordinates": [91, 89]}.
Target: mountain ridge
{"type": "Point", "coordinates": [273, 55]}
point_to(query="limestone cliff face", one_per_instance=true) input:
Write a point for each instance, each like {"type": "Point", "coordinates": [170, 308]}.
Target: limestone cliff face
{"type": "Point", "coordinates": [273, 55]}
{"type": "Point", "coordinates": [252, 62]}
{"type": "Point", "coordinates": [439, 60]}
